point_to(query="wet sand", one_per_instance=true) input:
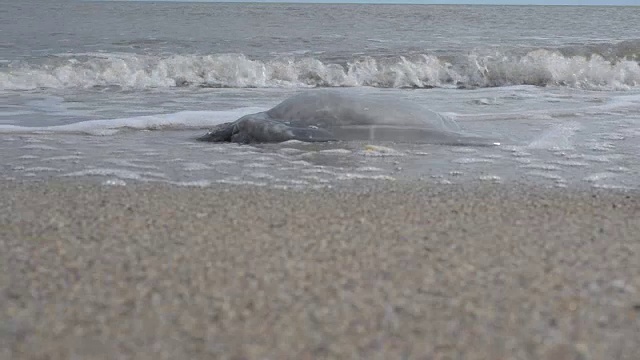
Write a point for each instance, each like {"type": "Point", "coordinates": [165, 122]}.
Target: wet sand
{"type": "Point", "coordinates": [386, 271]}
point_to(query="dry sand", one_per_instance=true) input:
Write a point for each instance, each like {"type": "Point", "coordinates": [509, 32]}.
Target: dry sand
{"type": "Point", "coordinates": [388, 272]}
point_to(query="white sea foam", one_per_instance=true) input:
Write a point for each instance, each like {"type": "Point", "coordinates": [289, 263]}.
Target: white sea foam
{"type": "Point", "coordinates": [114, 182]}
{"type": "Point", "coordinates": [41, 169]}
{"type": "Point", "coordinates": [368, 169]}
{"type": "Point", "coordinates": [336, 151]}
{"type": "Point", "coordinates": [380, 151]}
{"type": "Point", "coordinates": [356, 176]}
{"type": "Point", "coordinates": [571, 163]}
{"type": "Point", "coordinates": [556, 138]}
{"type": "Point", "coordinates": [195, 166]}
{"type": "Point", "coordinates": [546, 167]}
{"type": "Point", "coordinates": [238, 181]}
{"type": "Point", "coordinates": [194, 183]}
{"type": "Point", "coordinates": [176, 121]}
{"type": "Point", "coordinates": [619, 169]}
{"type": "Point", "coordinates": [37, 146]}
{"type": "Point", "coordinates": [491, 178]}
{"type": "Point", "coordinates": [118, 173]}
{"type": "Point", "coordinates": [129, 163]}
{"type": "Point", "coordinates": [315, 178]}
{"type": "Point", "coordinates": [472, 161]}
{"type": "Point", "coordinates": [63, 158]}
{"type": "Point", "coordinates": [546, 175]}
{"type": "Point", "coordinates": [537, 67]}
{"type": "Point", "coordinates": [254, 165]}
{"type": "Point", "coordinates": [261, 175]}
{"type": "Point", "coordinates": [599, 176]}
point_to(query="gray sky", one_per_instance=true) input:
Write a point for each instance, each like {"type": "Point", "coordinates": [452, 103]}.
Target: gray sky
{"type": "Point", "coordinates": [512, 2]}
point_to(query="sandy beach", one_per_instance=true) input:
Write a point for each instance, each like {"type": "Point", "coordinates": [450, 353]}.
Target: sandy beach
{"type": "Point", "coordinates": [393, 271]}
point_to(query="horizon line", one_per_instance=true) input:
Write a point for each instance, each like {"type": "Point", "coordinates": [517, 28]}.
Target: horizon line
{"type": "Point", "coordinates": [370, 2]}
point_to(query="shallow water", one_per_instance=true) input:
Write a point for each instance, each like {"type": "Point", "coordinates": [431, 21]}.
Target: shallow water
{"type": "Point", "coordinates": [120, 101]}
{"type": "Point", "coordinates": [566, 138]}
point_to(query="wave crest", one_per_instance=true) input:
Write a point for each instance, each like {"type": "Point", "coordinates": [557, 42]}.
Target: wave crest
{"type": "Point", "coordinates": [537, 67]}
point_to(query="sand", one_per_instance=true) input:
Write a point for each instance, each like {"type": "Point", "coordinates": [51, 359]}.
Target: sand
{"type": "Point", "coordinates": [391, 271]}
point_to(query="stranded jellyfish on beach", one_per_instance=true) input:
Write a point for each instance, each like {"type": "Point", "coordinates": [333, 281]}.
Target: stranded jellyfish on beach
{"type": "Point", "coordinates": [330, 115]}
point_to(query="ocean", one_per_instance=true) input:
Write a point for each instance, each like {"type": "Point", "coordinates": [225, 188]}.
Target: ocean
{"type": "Point", "coordinates": [117, 92]}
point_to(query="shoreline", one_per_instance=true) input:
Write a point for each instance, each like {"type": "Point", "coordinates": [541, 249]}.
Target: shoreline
{"type": "Point", "coordinates": [391, 270]}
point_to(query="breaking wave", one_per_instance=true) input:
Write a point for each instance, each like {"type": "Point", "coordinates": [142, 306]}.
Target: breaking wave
{"type": "Point", "coordinates": [541, 67]}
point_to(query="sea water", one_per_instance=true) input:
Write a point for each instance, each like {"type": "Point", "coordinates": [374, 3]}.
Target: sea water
{"type": "Point", "coordinates": [117, 92]}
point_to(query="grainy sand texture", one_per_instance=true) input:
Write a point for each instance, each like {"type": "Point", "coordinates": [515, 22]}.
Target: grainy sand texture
{"type": "Point", "coordinates": [394, 271]}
